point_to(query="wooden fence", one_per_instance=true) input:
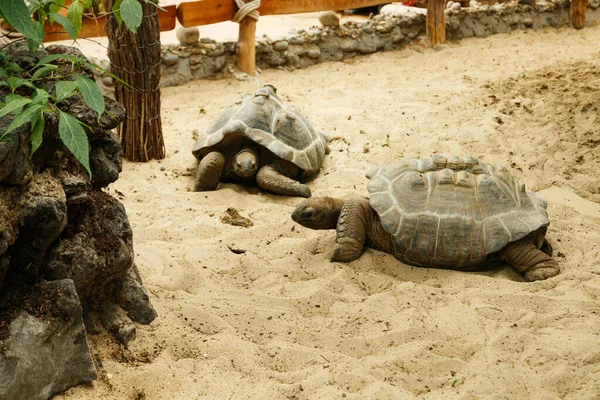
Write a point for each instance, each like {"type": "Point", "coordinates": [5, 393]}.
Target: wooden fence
{"type": "Point", "coordinates": [205, 12]}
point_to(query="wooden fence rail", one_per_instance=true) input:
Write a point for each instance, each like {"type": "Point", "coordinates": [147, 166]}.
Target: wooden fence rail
{"type": "Point", "coordinates": [95, 27]}
{"type": "Point", "coordinates": [204, 12]}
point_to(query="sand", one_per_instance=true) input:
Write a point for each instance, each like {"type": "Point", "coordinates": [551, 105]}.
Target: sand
{"type": "Point", "coordinates": [279, 321]}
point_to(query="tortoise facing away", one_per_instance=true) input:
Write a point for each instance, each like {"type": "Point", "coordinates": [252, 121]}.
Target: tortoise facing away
{"type": "Point", "coordinates": [261, 140]}
{"type": "Point", "coordinates": [441, 212]}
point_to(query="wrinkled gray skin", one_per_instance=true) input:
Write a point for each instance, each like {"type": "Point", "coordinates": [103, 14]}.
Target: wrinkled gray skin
{"type": "Point", "coordinates": [358, 225]}
{"type": "Point", "coordinates": [275, 175]}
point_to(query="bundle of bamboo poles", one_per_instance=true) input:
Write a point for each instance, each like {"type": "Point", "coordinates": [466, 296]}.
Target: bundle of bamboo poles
{"type": "Point", "coordinates": [135, 58]}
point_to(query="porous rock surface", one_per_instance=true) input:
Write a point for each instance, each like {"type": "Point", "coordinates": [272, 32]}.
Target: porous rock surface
{"type": "Point", "coordinates": [47, 350]}
{"type": "Point", "coordinates": [66, 248]}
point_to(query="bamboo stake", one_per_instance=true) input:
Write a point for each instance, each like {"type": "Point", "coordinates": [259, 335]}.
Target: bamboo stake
{"type": "Point", "coordinates": [436, 22]}
{"type": "Point", "coordinates": [578, 10]}
{"type": "Point", "coordinates": [135, 58]}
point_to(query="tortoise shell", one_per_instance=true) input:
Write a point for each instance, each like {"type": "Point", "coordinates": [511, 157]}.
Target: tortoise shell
{"type": "Point", "coordinates": [263, 118]}
{"type": "Point", "coordinates": [452, 212]}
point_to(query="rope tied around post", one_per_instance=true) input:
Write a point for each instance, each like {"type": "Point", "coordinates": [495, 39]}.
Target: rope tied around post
{"type": "Point", "coordinates": [249, 9]}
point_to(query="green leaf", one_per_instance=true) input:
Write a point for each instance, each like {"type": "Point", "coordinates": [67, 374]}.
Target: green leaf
{"type": "Point", "coordinates": [41, 72]}
{"type": "Point", "coordinates": [3, 73]}
{"type": "Point", "coordinates": [54, 57]}
{"type": "Point", "coordinates": [74, 137]}
{"type": "Point", "coordinates": [12, 97]}
{"type": "Point", "coordinates": [11, 66]}
{"type": "Point", "coordinates": [56, 5]}
{"type": "Point", "coordinates": [31, 112]}
{"type": "Point", "coordinates": [17, 15]}
{"type": "Point", "coordinates": [66, 23]}
{"type": "Point", "coordinates": [91, 93]}
{"type": "Point", "coordinates": [40, 97]}
{"type": "Point", "coordinates": [37, 133]}
{"type": "Point", "coordinates": [15, 82]}
{"type": "Point", "coordinates": [65, 89]}
{"type": "Point", "coordinates": [116, 9]}
{"type": "Point", "coordinates": [75, 14]}
{"type": "Point", "coordinates": [16, 104]}
{"type": "Point", "coordinates": [131, 11]}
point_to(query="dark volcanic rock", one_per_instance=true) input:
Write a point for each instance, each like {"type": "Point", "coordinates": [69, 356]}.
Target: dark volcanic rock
{"type": "Point", "coordinates": [15, 151]}
{"type": "Point", "coordinates": [45, 350]}
{"type": "Point", "coordinates": [106, 160]}
{"type": "Point", "coordinates": [132, 297]}
{"type": "Point", "coordinates": [57, 225]}
{"type": "Point", "coordinates": [43, 217]}
{"type": "Point", "coordinates": [95, 248]}
{"type": "Point", "coordinates": [114, 114]}
{"type": "Point", "coordinates": [4, 261]}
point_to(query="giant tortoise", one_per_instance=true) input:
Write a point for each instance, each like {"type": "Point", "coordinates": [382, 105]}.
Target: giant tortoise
{"type": "Point", "coordinates": [439, 212]}
{"type": "Point", "coordinates": [259, 139]}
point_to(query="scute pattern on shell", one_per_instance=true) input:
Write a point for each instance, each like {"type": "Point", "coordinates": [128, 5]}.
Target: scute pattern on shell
{"type": "Point", "coordinates": [452, 212]}
{"type": "Point", "coordinates": [265, 119]}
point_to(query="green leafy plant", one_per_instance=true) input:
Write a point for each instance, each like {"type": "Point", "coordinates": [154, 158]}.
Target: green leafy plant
{"type": "Point", "coordinates": [27, 100]}
{"type": "Point", "coordinates": [31, 109]}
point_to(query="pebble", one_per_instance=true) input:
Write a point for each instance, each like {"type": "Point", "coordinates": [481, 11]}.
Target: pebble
{"type": "Point", "coordinates": [217, 52]}
{"type": "Point", "coordinates": [170, 59]}
{"type": "Point", "coordinates": [107, 81]}
{"type": "Point", "coordinates": [329, 18]}
{"type": "Point", "coordinates": [281, 46]}
{"type": "Point", "coordinates": [314, 53]}
{"type": "Point", "coordinates": [188, 36]}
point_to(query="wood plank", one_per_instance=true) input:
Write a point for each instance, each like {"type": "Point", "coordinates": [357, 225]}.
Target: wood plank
{"type": "Point", "coordinates": [577, 13]}
{"type": "Point", "coordinates": [205, 12]}
{"type": "Point", "coordinates": [436, 22]}
{"type": "Point", "coordinates": [246, 46]}
{"type": "Point", "coordinates": [95, 28]}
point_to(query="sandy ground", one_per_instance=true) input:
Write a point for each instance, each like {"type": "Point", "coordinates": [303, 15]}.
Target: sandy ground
{"type": "Point", "coordinates": [281, 322]}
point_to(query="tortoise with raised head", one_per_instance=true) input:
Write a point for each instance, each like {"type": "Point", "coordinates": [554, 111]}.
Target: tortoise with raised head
{"type": "Point", "coordinates": [259, 139]}
{"type": "Point", "coordinates": [439, 212]}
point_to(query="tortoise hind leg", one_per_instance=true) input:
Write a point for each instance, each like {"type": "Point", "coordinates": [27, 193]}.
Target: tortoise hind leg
{"type": "Point", "coordinates": [351, 230]}
{"type": "Point", "coordinates": [525, 255]}
{"type": "Point", "coordinates": [209, 171]}
{"type": "Point", "coordinates": [271, 178]}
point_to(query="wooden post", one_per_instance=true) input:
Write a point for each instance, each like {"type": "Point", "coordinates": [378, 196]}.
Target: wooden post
{"type": "Point", "coordinates": [246, 46]}
{"type": "Point", "coordinates": [577, 11]}
{"type": "Point", "coordinates": [436, 22]}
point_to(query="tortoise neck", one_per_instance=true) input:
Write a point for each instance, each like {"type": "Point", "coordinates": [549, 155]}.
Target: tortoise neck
{"type": "Point", "coordinates": [377, 237]}
{"type": "Point", "coordinates": [331, 220]}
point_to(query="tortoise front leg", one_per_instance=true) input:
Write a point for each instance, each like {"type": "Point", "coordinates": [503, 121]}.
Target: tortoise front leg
{"type": "Point", "coordinates": [528, 259]}
{"type": "Point", "coordinates": [351, 229]}
{"type": "Point", "coordinates": [209, 171]}
{"type": "Point", "coordinates": [271, 179]}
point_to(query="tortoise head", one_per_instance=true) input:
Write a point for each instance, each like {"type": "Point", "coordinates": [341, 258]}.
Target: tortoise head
{"type": "Point", "coordinates": [245, 164]}
{"type": "Point", "coordinates": [318, 212]}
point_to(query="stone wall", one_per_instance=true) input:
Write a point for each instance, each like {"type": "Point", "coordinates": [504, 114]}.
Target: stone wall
{"type": "Point", "coordinates": [206, 58]}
